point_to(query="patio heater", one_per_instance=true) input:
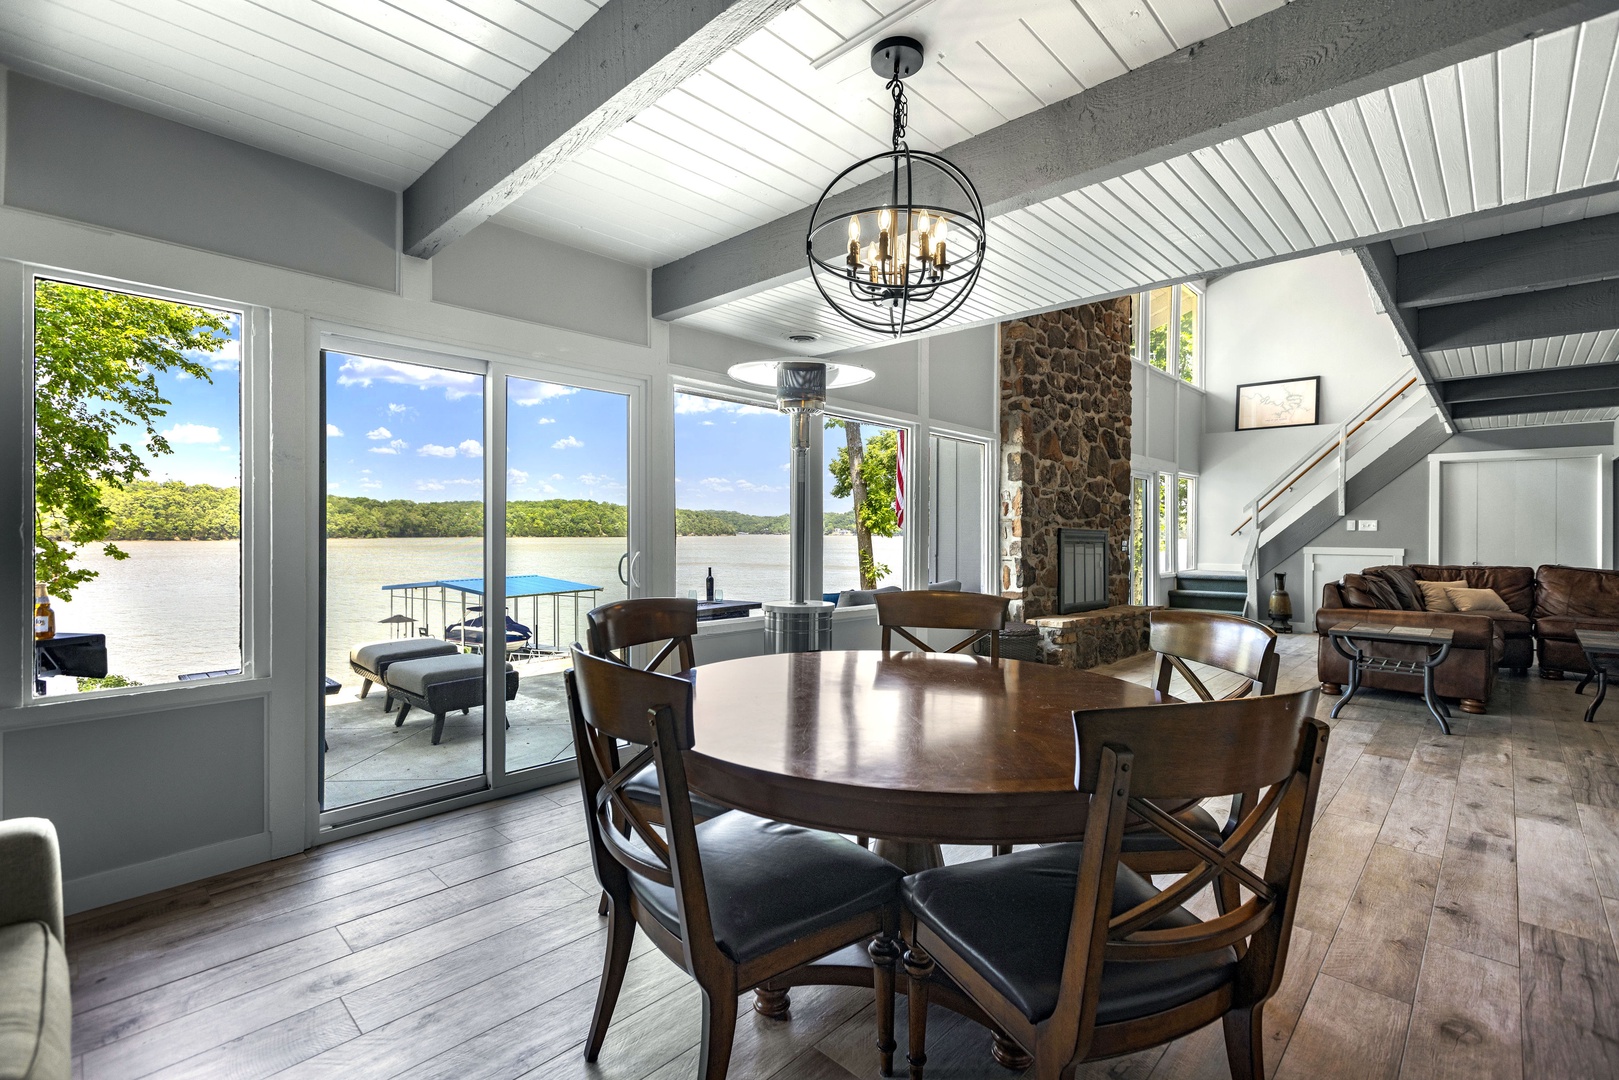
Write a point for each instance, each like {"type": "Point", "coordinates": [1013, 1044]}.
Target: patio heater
{"type": "Point", "coordinates": [802, 623]}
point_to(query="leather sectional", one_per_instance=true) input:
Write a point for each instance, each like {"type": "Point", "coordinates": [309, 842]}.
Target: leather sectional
{"type": "Point", "coordinates": [1546, 605]}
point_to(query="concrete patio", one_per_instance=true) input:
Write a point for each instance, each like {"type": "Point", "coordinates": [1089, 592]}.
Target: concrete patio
{"type": "Point", "coordinates": [367, 757]}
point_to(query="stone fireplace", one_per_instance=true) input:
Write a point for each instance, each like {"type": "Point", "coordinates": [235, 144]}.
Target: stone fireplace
{"type": "Point", "coordinates": [1065, 465]}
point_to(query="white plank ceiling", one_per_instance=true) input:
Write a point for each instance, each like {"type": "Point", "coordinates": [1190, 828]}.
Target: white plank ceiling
{"type": "Point", "coordinates": [1540, 419]}
{"type": "Point", "coordinates": [1532, 120]}
{"type": "Point", "coordinates": [763, 130]}
{"type": "Point", "coordinates": [373, 89]}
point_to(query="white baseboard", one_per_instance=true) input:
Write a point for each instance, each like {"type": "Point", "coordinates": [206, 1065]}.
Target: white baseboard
{"type": "Point", "coordinates": [126, 882]}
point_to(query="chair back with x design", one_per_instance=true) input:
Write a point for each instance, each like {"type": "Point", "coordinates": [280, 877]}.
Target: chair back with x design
{"type": "Point", "coordinates": [1228, 642]}
{"type": "Point", "coordinates": [614, 629]}
{"type": "Point", "coordinates": [611, 704]}
{"type": "Point", "coordinates": [1130, 759]}
{"type": "Point", "coordinates": [936, 609]}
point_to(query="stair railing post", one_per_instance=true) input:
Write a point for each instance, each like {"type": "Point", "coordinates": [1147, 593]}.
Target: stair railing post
{"type": "Point", "coordinates": [1343, 468]}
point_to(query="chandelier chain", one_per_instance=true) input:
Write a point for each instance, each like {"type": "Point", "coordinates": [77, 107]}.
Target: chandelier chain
{"type": "Point", "coordinates": [901, 110]}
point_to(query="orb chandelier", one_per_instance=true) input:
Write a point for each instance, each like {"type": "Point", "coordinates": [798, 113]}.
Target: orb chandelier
{"type": "Point", "coordinates": [908, 263]}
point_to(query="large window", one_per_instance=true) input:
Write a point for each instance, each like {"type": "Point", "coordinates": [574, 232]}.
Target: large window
{"type": "Point", "coordinates": [137, 483]}
{"type": "Point", "coordinates": [1185, 515]}
{"type": "Point", "coordinates": [1138, 540]}
{"type": "Point", "coordinates": [1168, 330]}
{"type": "Point", "coordinates": [958, 499]}
{"type": "Point", "coordinates": [732, 473]}
{"type": "Point", "coordinates": [863, 546]}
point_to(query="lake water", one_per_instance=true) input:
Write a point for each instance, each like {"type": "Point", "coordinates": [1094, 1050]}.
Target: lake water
{"type": "Point", "coordinates": [174, 607]}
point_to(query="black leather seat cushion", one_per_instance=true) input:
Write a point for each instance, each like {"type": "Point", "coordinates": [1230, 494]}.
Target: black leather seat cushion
{"type": "Point", "coordinates": [770, 884]}
{"type": "Point", "coordinates": [1148, 838]}
{"type": "Point", "coordinates": [642, 788]}
{"type": "Point", "coordinates": [1008, 917]}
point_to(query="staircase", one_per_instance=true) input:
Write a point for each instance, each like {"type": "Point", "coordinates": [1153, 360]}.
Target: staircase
{"type": "Point", "coordinates": [1210, 590]}
{"type": "Point", "coordinates": [1397, 428]}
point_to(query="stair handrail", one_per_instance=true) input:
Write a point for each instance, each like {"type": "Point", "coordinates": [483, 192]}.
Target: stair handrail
{"type": "Point", "coordinates": [1332, 444]}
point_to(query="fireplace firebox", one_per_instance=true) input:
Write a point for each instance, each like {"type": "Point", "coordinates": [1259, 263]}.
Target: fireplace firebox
{"type": "Point", "coordinates": [1081, 570]}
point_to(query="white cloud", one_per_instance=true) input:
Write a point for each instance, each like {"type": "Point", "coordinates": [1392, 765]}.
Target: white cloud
{"type": "Point", "coordinates": [228, 358]}
{"type": "Point", "coordinates": [226, 450]}
{"type": "Point", "coordinates": [383, 450]}
{"type": "Point", "coordinates": [471, 448]}
{"type": "Point", "coordinates": [593, 479]}
{"type": "Point", "coordinates": [366, 370]}
{"type": "Point", "coordinates": [333, 485]}
{"type": "Point", "coordinates": [333, 431]}
{"type": "Point", "coordinates": [687, 404]}
{"type": "Point", "coordinates": [527, 392]}
{"type": "Point", "coordinates": [434, 450]}
{"type": "Point", "coordinates": [400, 444]}
{"type": "Point", "coordinates": [379, 433]}
{"type": "Point", "coordinates": [718, 483]}
{"type": "Point", "coordinates": [192, 433]}
{"type": "Point", "coordinates": [708, 423]}
{"type": "Point", "coordinates": [744, 485]}
{"type": "Point", "coordinates": [429, 485]}
{"type": "Point", "coordinates": [516, 476]}
{"type": "Point", "coordinates": [558, 476]}
{"type": "Point", "coordinates": [465, 482]}
{"type": "Point", "coordinates": [548, 489]}
{"type": "Point", "coordinates": [567, 442]}
{"type": "Point", "coordinates": [395, 409]}
{"type": "Point", "coordinates": [542, 421]}
{"type": "Point", "coordinates": [726, 483]}
{"type": "Point", "coordinates": [370, 485]}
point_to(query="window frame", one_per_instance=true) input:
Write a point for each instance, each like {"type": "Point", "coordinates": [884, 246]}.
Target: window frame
{"type": "Point", "coordinates": [1140, 329]}
{"type": "Point", "coordinates": [989, 524]}
{"type": "Point", "coordinates": [253, 435]}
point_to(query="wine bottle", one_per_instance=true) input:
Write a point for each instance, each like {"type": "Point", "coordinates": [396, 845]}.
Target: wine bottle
{"type": "Point", "coordinates": [708, 585]}
{"type": "Point", "coordinates": [44, 617]}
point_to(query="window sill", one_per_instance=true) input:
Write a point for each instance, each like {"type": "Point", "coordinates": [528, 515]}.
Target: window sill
{"type": "Point", "coordinates": [104, 704]}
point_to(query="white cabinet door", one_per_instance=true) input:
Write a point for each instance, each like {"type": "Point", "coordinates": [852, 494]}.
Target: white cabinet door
{"type": "Point", "coordinates": [1524, 511]}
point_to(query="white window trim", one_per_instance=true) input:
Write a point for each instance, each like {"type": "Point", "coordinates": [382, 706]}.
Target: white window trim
{"type": "Point", "coordinates": [254, 440]}
{"type": "Point", "coordinates": [990, 519]}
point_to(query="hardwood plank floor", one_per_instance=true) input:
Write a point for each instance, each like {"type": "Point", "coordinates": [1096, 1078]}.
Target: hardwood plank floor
{"type": "Point", "coordinates": [1460, 918]}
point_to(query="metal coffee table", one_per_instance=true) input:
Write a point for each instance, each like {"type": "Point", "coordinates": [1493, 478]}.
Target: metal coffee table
{"type": "Point", "coordinates": [1601, 649]}
{"type": "Point", "coordinates": [1348, 640]}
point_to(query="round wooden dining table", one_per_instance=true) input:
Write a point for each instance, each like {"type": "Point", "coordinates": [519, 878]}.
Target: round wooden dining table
{"type": "Point", "coordinates": [914, 749]}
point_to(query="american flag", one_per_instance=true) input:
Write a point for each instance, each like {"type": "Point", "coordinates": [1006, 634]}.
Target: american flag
{"type": "Point", "coordinates": [899, 482]}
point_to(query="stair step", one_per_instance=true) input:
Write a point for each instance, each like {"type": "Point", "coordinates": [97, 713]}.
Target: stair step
{"type": "Point", "coordinates": [1207, 594]}
{"type": "Point", "coordinates": [1203, 600]}
{"type": "Point", "coordinates": [1196, 584]}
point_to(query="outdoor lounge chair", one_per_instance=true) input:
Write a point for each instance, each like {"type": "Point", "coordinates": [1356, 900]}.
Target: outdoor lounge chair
{"type": "Point", "coordinates": [371, 662]}
{"type": "Point", "coordinates": [440, 684]}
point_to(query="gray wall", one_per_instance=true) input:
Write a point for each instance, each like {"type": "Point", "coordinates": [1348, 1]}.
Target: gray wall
{"type": "Point", "coordinates": [1401, 507]}
{"type": "Point", "coordinates": [89, 160]}
{"type": "Point", "coordinates": [506, 272]}
{"type": "Point", "coordinates": [116, 803]}
{"type": "Point", "coordinates": [964, 378]}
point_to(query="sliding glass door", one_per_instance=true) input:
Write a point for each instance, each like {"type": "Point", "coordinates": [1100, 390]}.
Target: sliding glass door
{"type": "Point", "coordinates": [444, 636]}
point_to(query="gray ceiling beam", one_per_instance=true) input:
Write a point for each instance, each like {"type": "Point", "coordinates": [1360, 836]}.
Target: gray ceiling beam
{"type": "Point", "coordinates": [1539, 382]}
{"type": "Point", "coordinates": [1576, 309]}
{"type": "Point", "coordinates": [1573, 253]}
{"type": "Point", "coordinates": [623, 59]}
{"type": "Point", "coordinates": [1382, 272]}
{"type": "Point", "coordinates": [1569, 402]}
{"type": "Point", "coordinates": [1286, 63]}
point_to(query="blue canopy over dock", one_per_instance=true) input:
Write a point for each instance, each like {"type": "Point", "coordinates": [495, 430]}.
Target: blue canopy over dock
{"type": "Point", "coordinates": [418, 597]}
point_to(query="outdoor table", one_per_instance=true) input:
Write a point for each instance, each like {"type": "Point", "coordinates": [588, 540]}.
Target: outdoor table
{"type": "Point", "coordinates": [1601, 647]}
{"type": "Point", "coordinates": [1349, 639]}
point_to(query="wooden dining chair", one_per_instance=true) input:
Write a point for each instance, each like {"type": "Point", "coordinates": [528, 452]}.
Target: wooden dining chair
{"type": "Point", "coordinates": [980, 613]}
{"type": "Point", "coordinates": [735, 901]}
{"type": "Point", "coordinates": [1230, 643]}
{"type": "Point", "coordinates": [1074, 955]}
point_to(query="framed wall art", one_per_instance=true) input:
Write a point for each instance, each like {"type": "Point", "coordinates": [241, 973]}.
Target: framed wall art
{"type": "Point", "coordinates": [1284, 403]}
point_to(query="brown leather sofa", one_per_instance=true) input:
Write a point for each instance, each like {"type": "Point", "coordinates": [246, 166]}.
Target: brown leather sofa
{"type": "Point", "coordinates": [1569, 598]}
{"type": "Point", "coordinates": [1484, 641]}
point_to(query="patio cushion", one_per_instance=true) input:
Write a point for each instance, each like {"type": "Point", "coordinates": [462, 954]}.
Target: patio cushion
{"type": "Point", "coordinates": [419, 677]}
{"type": "Point", "coordinates": [377, 656]}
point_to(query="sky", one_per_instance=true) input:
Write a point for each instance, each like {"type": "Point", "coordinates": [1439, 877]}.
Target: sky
{"type": "Point", "coordinates": [410, 431]}
{"type": "Point", "coordinates": [203, 423]}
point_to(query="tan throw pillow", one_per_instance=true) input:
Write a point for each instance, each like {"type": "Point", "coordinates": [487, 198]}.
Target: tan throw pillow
{"type": "Point", "coordinates": [1435, 594]}
{"type": "Point", "coordinates": [1467, 599]}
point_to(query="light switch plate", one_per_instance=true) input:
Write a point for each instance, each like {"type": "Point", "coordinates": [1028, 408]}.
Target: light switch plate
{"type": "Point", "coordinates": [1368, 525]}
{"type": "Point", "coordinates": [1351, 524]}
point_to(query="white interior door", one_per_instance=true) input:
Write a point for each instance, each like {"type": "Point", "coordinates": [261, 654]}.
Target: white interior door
{"type": "Point", "coordinates": [1324, 564]}
{"type": "Point", "coordinates": [1520, 511]}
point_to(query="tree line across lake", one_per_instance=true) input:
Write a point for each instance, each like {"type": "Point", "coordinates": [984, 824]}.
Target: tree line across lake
{"type": "Point", "coordinates": [172, 510]}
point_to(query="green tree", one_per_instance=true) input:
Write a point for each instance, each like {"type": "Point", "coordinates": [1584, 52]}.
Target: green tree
{"type": "Point", "coordinates": [866, 471]}
{"type": "Point", "coordinates": [96, 358]}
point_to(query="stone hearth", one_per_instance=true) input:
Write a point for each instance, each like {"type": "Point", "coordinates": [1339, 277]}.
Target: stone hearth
{"type": "Point", "coordinates": [1065, 463]}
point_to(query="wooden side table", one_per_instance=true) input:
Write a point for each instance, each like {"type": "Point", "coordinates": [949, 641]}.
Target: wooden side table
{"type": "Point", "coordinates": [1601, 648]}
{"type": "Point", "coordinates": [1348, 641]}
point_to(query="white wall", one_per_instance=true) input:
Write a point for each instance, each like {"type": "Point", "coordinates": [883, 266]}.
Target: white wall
{"type": "Point", "coordinates": [1295, 319]}
{"type": "Point", "coordinates": [158, 786]}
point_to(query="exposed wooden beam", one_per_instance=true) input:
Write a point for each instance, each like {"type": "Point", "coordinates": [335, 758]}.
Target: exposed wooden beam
{"type": "Point", "coordinates": [1573, 253]}
{"type": "Point", "coordinates": [623, 59]}
{"type": "Point", "coordinates": [1518, 385]}
{"type": "Point", "coordinates": [1577, 309]}
{"type": "Point", "coordinates": [1286, 63]}
{"type": "Point", "coordinates": [1382, 272]}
